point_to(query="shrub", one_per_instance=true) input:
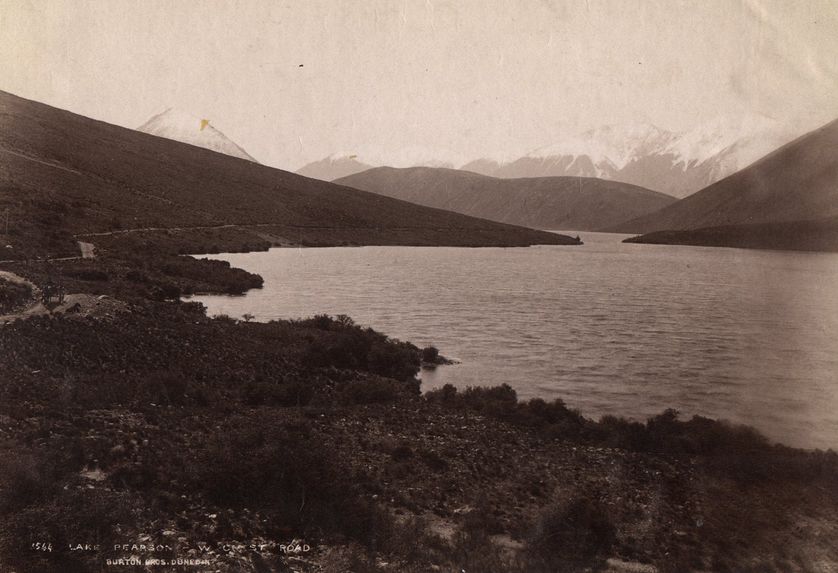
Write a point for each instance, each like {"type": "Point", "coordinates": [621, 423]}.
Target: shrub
{"type": "Point", "coordinates": [397, 360]}
{"type": "Point", "coordinates": [320, 322]}
{"type": "Point", "coordinates": [167, 291]}
{"type": "Point", "coordinates": [430, 354]}
{"type": "Point", "coordinates": [23, 480]}
{"type": "Point", "coordinates": [433, 460]}
{"type": "Point", "coordinates": [472, 548]}
{"type": "Point", "coordinates": [13, 294]}
{"type": "Point", "coordinates": [340, 343]}
{"type": "Point", "coordinates": [501, 397]}
{"type": "Point", "coordinates": [136, 276]}
{"type": "Point", "coordinates": [665, 433]}
{"type": "Point", "coordinates": [401, 453]}
{"type": "Point", "coordinates": [167, 387]}
{"type": "Point", "coordinates": [93, 275]}
{"type": "Point", "coordinates": [292, 393]}
{"type": "Point", "coordinates": [289, 473]}
{"type": "Point", "coordinates": [371, 391]}
{"type": "Point", "coordinates": [575, 533]}
{"type": "Point", "coordinates": [700, 435]}
{"type": "Point", "coordinates": [621, 433]}
{"type": "Point", "coordinates": [446, 395]}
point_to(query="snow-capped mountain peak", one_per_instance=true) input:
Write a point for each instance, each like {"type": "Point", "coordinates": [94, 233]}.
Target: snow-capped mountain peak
{"type": "Point", "coordinates": [640, 153]}
{"type": "Point", "coordinates": [613, 145]}
{"type": "Point", "coordinates": [677, 163]}
{"type": "Point", "coordinates": [186, 128]}
{"type": "Point", "coordinates": [747, 137]}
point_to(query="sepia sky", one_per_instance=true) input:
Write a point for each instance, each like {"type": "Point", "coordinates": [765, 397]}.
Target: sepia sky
{"type": "Point", "coordinates": [410, 80]}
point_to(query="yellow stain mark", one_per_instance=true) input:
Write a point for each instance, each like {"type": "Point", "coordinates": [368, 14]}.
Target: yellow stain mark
{"type": "Point", "coordinates": [204, 123]}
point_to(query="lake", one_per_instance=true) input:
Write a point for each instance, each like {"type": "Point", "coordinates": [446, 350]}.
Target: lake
{"type": "Point", "coordinates": [610, 328]}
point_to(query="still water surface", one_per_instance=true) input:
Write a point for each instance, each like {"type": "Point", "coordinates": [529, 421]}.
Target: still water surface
{"type": "Point", "coordinates": [611, 328]}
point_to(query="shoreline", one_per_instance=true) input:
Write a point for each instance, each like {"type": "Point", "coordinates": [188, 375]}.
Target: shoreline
{"type": "Point", "coordinates": [189, 416]}
{"type": "Point", "coordinates": [497, 462]}
{"type": "Point", "coordinates": [787, 428]}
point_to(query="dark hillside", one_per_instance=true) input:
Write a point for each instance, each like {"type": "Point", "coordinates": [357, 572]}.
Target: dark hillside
{"type": "Point", "coordinates": [63, 175]}
{"type": "Point", "coordinates": [818, 235]}
{"type": "Point", "coordinates": [797, 182]}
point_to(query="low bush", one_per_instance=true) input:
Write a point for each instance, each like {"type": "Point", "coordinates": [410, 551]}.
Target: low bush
{"type": "Point", "coordinates": [37, 506]}
{"type": "Point", "coordinates": [13, 295]}
{"type": "Point", "coordinates": [279, 393]}
{"type": "Point", "coordinates": [166, 291]}
{"type": "Point", "coordinates": [736, 451]}
{"type": "Point", "coordinates": [574, 534]}
{"type": "Point", "coordinates": [23, 480]}
{"type": "Point", "coordinates": [197, 270]}
{"type": "Point", "coordinates": [349, 346]}
{"type": "Point", "coordinates": [94, 275]}
{"type": "Point", "coordinates": [372, 390]}
{"type": "Point", "coordinates": [136, 276]}
{"type": "Point", "coordinates": [552, 418]}
{"type": "Point", "coordinates": [283, 468]}
{"type": "Point", "coordinates": [433, 460]}
{"type": "Point", "coordinates": [473, 549]}
{"type": "Point", "coordinates": [430, 354]}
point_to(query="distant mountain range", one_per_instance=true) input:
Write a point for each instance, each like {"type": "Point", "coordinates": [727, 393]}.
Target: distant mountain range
{"type": "Point", "coordinates": [788, 199]}
{"type": "Point", "coordinates": [601, 180]}
{"type": "Point", "coordinates": [181, 126]}
{"type": "Point", "coordinates": [568, 203]}
{"type": "Point", "coordinates": [642, 154]}
{"type": "Point", "coordinates": [69, 176]}
{"type": "Point", "coordinates": [333, 167]}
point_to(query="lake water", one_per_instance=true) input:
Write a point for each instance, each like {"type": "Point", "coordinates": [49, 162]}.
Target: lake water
{"type": "Point", "coordinates": [611, 328]}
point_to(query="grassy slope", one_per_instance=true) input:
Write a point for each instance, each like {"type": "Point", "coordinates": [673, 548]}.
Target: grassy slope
{"type": "Point", "coordinates": [63, 174]}
{"type": "Point", "coordinates": [578, 203]}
